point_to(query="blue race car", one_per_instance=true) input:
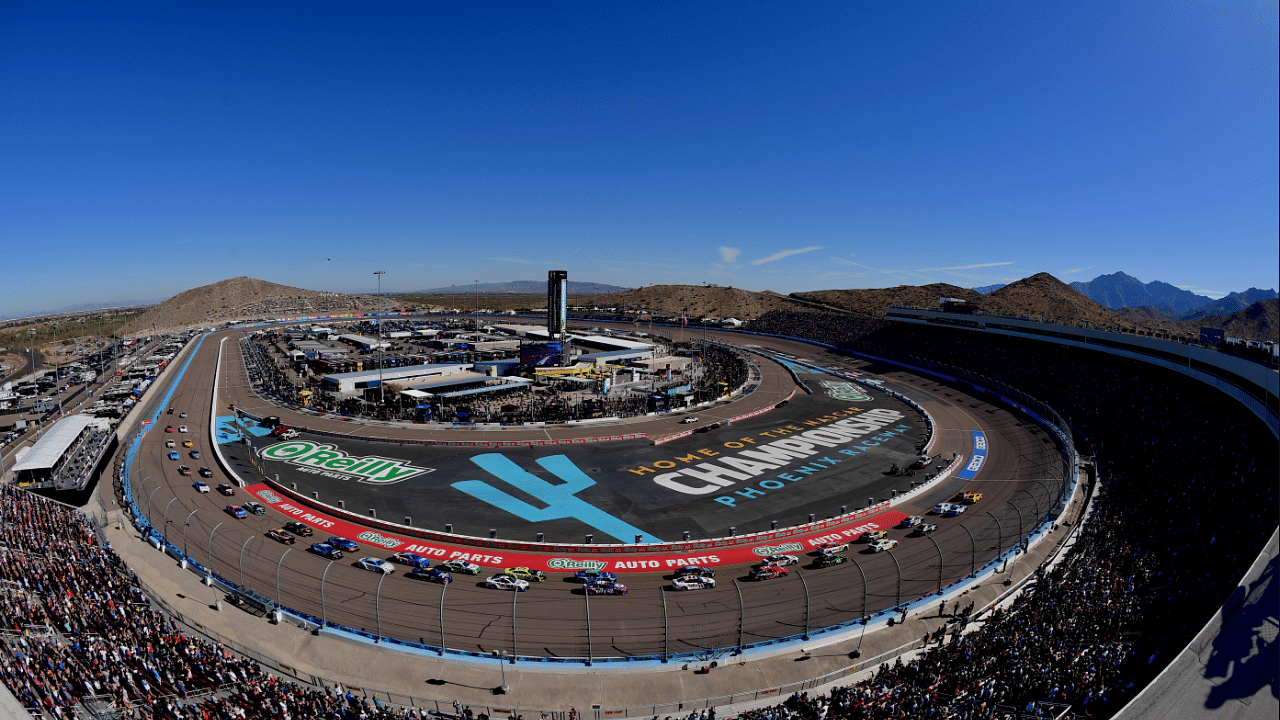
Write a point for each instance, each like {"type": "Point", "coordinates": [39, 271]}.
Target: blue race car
{"type": "Point", "coordinates": [408, 558]}
{"type": "Point", "coordinates": [325, 550]}
{"type": "Point", "coordinates": [587, 576]}
{"type": "Point", "coordinates": [343, 544]}
{"type": "Point", "coordinates": [173, 454]}
{"type": "Point", "coordinates": [432, 574]}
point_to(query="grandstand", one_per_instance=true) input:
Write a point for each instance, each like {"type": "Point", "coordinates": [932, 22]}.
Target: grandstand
{"type": "Point", "coordinates": [68, 455]}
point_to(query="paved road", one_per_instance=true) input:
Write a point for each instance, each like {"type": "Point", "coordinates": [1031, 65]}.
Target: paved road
{"type": "Point", "coordinates": [551, 619]}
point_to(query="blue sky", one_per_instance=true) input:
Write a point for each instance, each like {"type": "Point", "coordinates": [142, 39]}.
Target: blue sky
{"type": "Point", "coordinates": [150, 148]}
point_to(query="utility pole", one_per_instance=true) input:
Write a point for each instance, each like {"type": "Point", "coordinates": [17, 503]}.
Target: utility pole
{"type": "Point", "coordinates": [382, 393]}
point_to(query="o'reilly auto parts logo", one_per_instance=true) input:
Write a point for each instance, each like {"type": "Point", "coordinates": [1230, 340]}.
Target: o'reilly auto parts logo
{"type": "Point", "coordinates": [328, 460]}
{"type": "Point", "coordinates": [379, 539]}
{"type": "Point", "coordinates": [572, 564]}
{"type": "Point", "coordinates": [849, 392]}
{"type": "Point", "coordinates": [779, 549]}
{"type": "Point", "coordinates": [268, 496]}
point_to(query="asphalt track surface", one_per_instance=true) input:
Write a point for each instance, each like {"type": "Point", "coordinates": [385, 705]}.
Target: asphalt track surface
{"type": "Point", "coordinates": [554, 619]}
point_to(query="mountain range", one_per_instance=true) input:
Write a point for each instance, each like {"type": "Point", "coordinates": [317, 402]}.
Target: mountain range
{"type": "Point", "coordinates": [1160, 300]}
{"type": "Point", "coordinates": [522, 287]}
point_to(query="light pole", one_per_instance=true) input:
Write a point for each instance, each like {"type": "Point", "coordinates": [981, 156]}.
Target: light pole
{"type": "Point", "coordinates": [185, 524]}
{"type": "Point", "coordinates": [382, 397]}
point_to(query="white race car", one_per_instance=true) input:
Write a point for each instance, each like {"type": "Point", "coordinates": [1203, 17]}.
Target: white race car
{"type": "Point", "coordinates": [506, 582]}
{"type": "Point", "coordinates": [374, 564]}
{"type": "Point", "coordinates": [692, 582]}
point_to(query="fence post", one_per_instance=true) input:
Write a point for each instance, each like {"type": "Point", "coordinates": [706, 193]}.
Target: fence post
{"type": "Point", "coordinates": [443, 589]}
{"type": "Point", "coordinates": [742, 615]}
{"type": "Point", "coordinates": [800, 575]}
{"type": "Point", "coordinates": [377, 605]}
{"type": "Point", "coordinates": [586, 597]}
{"type": "Point", "coordinates": [324, 609]}
{"type": "Point", "coordinates": [666, 629]}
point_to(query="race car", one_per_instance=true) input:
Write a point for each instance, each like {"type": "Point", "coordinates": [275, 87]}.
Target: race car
{"type": "Point", "coordinates": [184, 470]}
{"type": "Point", "coordinates": [970, 498]}
{"type": "Point", "coordinates": [408, 558]}
{"type": "Point", "coordinates": [948, 509]}
{"type": "Point", "coordinates": [169, 429]}
{"type": "Point", "coordinates": [201, 487]}
{"type": "Point", "coordinates": [872, 536]}
{"type": "Point", "coordinates": [593, 575]}
{"type": "Point", "coordinates": [226, 489]}
{"type": "Point", "coordinates": [182, 428]}
{"type": "Point", "coordinates": [604, 587]}
{"type": "Point", "coordinates": [689, 420]}
{"type": "Point", "coordinates": [298, 528]}
{"type": "Point", "coordinates": [923, 461]}
{"type": "Point", "coordinates": [194, 454]}
{"type": "Point", "coordinates": [524, 573]}
{"type": "Point", "coordinates": [377, 565]}
{"type": "Point", "coordinates": [461, 566]}
{"type": "Point", "coordinates": [506, 582]}
{"type": "Point", "coordinates": [237, 511]}
{"type": "Point", "coordinates": [432, 574]}
{"type": "Point", "coordinates": [170, 412]}
{"type": "Point", "coordinates": [829, 560]}
{"type": "Point", "coordinates": [955, 510]}
{"type": "Point", "coordinates": [186, 443]}
{"type": "Point", "coordinates": [173, 454]}
{"type": "Point", "coordinates": [695, 570]}
{"type": "Point", "coordinates": [767, 572]}
{"type": "Point", "coordinates": [882, 545]}
{"type": "Point", "coordinates": [281, 536]}
{"type": "Point", "coordinates": [832, 548]}
{"type": "Point", "coordinates": [343, 544]}
{"type": "Point", "coordinates": [254, 507]}
{"type": "Point", "coordinates": [205, 472]}
{"type": "Point", "coordinates": [169, 444]}
{"type": "Point", "coordinates": [780, 560]}
{"type": "Point", "coordinates": [925, 528]}
{"type": "Point", "coordinates": [910, 521]}
{"type": "Point", "coordinates": [183, 415]}
{"type": "Point", "coordinates": [325, 550]}
{"type": "Point", "coordinates": [692, 582]}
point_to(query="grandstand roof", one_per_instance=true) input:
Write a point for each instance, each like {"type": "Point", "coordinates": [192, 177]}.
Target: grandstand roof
{"type": "Point", "coordinates": [46, 453]}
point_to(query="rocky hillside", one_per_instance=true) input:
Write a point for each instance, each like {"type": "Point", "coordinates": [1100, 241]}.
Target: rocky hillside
{"type": "Point", "coordinates": [246, 298]}
{"type": "Point", "coordinates": [697, 301]}
{"type": "Point", "coordinates": [873, 301]}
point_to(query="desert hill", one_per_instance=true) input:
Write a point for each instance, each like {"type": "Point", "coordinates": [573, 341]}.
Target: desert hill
{"type": "Point", "coordinates": [698, 301]}
{"type": "Point", "coordinates": [873, 301]}
{"type": "Point", "coordinates": [1045, 297]}
{"type": "Point", "coordinates": [246, 298]}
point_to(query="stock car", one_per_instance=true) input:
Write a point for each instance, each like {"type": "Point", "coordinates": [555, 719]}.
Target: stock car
{"type": "Point", "coordinates": [377, 565]}
{"type": "Point", "coordinates": [184, 470]}
{"type": "Point", "coordinates": [182, 428]}
{"type": "Point", "coordinates": [925, 528]}
{"type": "Point", "coordinates": [696, 571]}
{"type": "Point", "coordinates": [689, 420]}
{"type": "Point", "coordinates": [173, 454]}
{"type": "Point", "coordinates": [780, 560]}
{"type": "Point", "coordinates": [186, 443]}
{"type": "Point", "coordinates": [970, 498]}
{"type": "Point", "coordinates": [832, 548]}
{"type": "Point", "coordinates": [169, 444]}
{"type": "Point", "coordinates": [170, 412]}
{"type": "Point", "coordinates": [325, 550]}
{"type": "Point", "coordinates": [183, 414]}
{"type": "Point", "coordinates": [947, 509]}
{"type": "Point", "coordinates": [830, 560]}
{"type": "Point", "coordinates": [766, 572]}
{"type": "Point", "coordinates": [237, 511]}
{"type": "Point", "coordinates": [524, 573]}
{"type": "Point", "coordinates": [168, 429]}
{"type": "Point", "coordinates": [461, 566]}
{"type": "Point", "coordinates": [692, 582]}
{"type": "Point", "coordinates": [955, 510]}
{"type": "Point", "coordinates": [281, 536]}
{"type": "Point", "coordinates": [205, 472]}
{"type": "Point", "coordinates": [604, 587]}
{"type": "Point", "coordinates": [343, 544]}
{"type": "Point", "coordinates": [432, 574]}
{"type": "Point", "coordinates": [872, 536]}
{"type": "Point", "coordinates": [201, 487]}
{"type": "Point", "coordinates": [910, 521]}
{"type": "Point", "coordinates": [298, 528]}
{"type": "Point", "coordinates": [586, 576]}
{"type": "Point", "coordinates": [226, 489]}
{"type": "Point", "coordinates": [255, 507]}
{"type": "Point", "coordinates": [195, 454]}
{"type": "Point", "coordinates": [408, 558]}
{"type": "Point", "coordinates": [882, 545]}
{"type": "Point", "coordinates": [923, 461]}
{"type": "Point", "coordinates": [506, 582]}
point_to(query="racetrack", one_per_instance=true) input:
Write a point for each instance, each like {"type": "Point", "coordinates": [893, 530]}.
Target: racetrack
{"type": "Point", "coordinates": [1021, 478]}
